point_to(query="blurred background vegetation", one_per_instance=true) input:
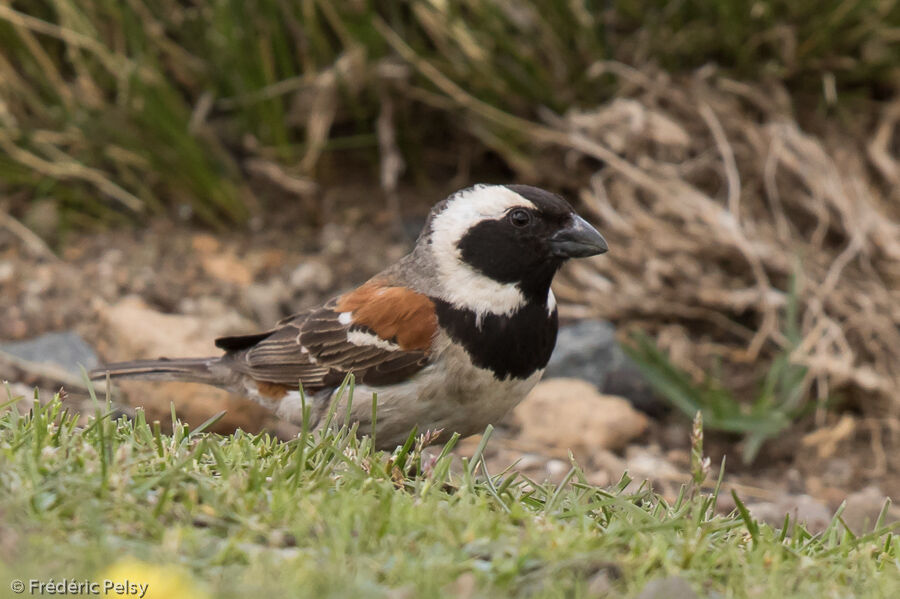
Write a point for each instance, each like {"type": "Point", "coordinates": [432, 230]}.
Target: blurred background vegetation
{"type": "Point", "coordinates": [118, 109]}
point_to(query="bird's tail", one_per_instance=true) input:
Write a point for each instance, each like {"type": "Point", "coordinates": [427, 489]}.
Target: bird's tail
{"type": "Point", "coordinates": [189, 370]}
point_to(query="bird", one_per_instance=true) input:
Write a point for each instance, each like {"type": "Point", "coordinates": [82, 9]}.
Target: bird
{"type": "Point", "coordinates": [448, 339]}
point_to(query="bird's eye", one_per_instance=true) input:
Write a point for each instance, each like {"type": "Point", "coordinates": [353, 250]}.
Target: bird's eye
{"type": "Point", "coordinates": [519, 217]}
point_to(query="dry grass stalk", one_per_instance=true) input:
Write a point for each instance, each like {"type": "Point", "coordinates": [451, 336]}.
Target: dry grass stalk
{"type": "Point", "coordinates": [709, 228]}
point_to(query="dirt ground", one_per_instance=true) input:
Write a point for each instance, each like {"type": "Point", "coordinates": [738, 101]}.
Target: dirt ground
{"type": "Point", "coordinates": [171, 288]}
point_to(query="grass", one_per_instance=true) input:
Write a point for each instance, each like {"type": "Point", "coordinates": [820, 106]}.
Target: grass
{"type": "Point", "coordinates": [780, 401]}
{"type": "Point", "coordinates": [123, 109]}
{"type": "Point", "coordinates": [326, 516]}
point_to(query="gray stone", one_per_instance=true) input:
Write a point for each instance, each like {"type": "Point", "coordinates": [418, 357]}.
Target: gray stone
{"type": "Point", "coordinates": [65, 350]}
{"type": "Point", "coordinates": [588, 350]}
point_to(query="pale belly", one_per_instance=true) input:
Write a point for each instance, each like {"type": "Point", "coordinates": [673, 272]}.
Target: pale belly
{"type": "Point", "coordinates": [452, 394]}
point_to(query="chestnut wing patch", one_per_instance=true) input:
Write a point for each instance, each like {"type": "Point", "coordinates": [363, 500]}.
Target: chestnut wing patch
{"type": "Point", "coordinates": [395, 314]}
{"type": "Point", "coordinates": [380, 333]}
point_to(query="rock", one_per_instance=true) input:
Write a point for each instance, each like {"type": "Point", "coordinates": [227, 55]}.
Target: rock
{"type": "Point", "coordinates": [588, 350]}
{"type": "Point", "coordinates": [65, 349]}
{"type": "Point", "coordinates": [312, 275]}
{"type": "Point", "coordinates": [204, 243]}
{"type": "Point", "coordinates": [557, 469]}
{"type": "Point", "coordinates": [7, 271]}
{"type": "Point", "coordinates": [133, 330]}
{"type": "Point", "coordinates": [266, 299]}
{"type": "Point", "coordinates": [221, 264]}
{"type": "Point", "coordinates": [649, 463]}
{"type": "Point", "coordinates": [227, 268]}
{"type": "Point", "coordinates": [572, 414]}
{"type": "Point", "coordinates": [803, 508]}
{"type": "Point", "coordinates": [213, 308]}
{"type": "Point", "coordinates": [672, 587]}
{"type": "Point", "coordinates": [863, 508]}
{"type": "Point", "coordinates": [266, 261]}
{"type": "Point", "coordinates": [600, 584]}
{"type": "Point", "coordinates": [628, 381]}
{"type": "Point", "coordinates": [135, 327]}
{"type": "Point", "coordinates": [55, 356]}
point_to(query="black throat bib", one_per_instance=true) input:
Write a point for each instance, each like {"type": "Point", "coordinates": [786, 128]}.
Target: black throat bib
{"type": "Point", "coordinates": [513, 346]}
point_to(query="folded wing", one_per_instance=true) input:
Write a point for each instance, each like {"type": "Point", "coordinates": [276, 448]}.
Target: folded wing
{"type": "Point", "coordinates": [381, 333]}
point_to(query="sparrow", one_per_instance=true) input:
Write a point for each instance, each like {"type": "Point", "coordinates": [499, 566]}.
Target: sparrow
{"type": "Point", "coordinates": [447, 339]}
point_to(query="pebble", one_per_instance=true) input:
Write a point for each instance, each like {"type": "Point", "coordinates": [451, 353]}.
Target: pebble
{"type": "Point", "coordinates": [312, 275]}
{"type": "Point", "coordinates": [557, 469]}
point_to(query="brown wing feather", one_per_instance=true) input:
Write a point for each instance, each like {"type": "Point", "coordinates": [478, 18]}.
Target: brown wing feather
{"type": "Point", "coordinates": [315, 347]}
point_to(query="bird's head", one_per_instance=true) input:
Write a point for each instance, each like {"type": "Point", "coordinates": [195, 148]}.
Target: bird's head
{"type": "Point", "coordinates": [496, 247]}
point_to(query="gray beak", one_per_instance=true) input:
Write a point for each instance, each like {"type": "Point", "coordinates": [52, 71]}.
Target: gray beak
{"type": "Point", "coordinates": [578, 240]}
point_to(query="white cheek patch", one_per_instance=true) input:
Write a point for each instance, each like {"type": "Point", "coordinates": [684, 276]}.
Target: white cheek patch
{"type": "Point", "coordinates": [551, 302]}
{"type": "Point", "coordinates": [362, 338]}
{"type": "Point", "coordinates": [463, 286]}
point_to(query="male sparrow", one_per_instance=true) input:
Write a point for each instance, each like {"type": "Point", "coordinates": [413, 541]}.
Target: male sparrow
{"type": "Point", "coordinates": [450, 337]}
